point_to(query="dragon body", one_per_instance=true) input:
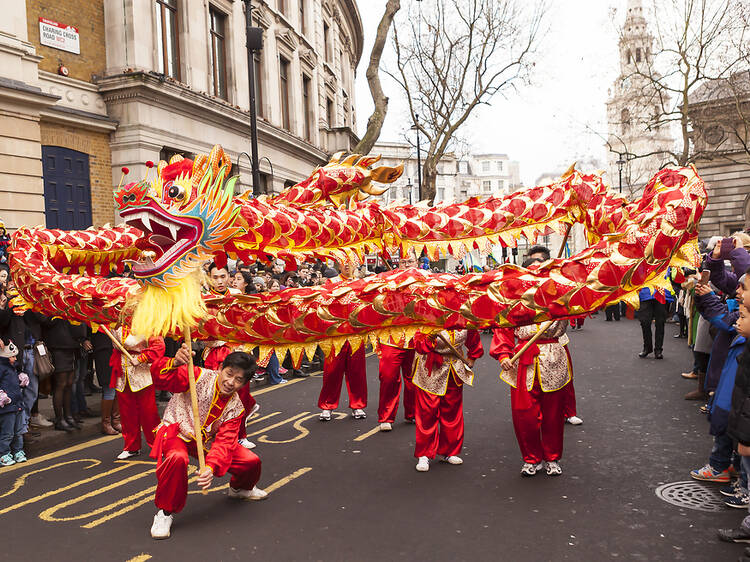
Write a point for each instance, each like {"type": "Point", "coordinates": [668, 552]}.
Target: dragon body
{"type": "Point", "coordinates": [188, 215]}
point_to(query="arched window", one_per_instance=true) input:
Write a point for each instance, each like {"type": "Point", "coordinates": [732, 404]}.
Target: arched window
{"type": "Point", "coordinates": [625, 120]}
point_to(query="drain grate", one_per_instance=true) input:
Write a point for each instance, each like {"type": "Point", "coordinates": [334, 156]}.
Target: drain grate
{"type": "Point", "coordinates": [692, 495]}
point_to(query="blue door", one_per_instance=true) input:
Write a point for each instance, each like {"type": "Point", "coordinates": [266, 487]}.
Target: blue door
{"type": "Point", "coordinates": [67, 188]}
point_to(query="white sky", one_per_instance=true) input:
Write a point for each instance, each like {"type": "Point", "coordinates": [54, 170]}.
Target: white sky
{"type": "Point", "coordinates": [543, 125]}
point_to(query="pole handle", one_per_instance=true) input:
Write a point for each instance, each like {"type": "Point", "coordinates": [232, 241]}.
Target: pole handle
{"type": "Point", "coordinates": [117, 343]}
{"type": "Point", "coordinates": [197, 426]}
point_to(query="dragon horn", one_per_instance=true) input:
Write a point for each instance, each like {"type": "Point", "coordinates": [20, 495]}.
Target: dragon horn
{"type": "Point", "coordinates": [351, 159]}
{"type": "Point", "coordinates": [569, 171]}
{"type": "Point", "coordinates": [372, 190]}
{"type": "Point", "coordinates": [386, 174]}
{"type": "Point", "coordinates": [336, 158]}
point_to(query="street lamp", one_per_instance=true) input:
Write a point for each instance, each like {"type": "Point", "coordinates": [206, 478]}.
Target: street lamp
{"type": "Point", "coordinates": [253, 43]}
{"type": "Point", "coordinates": [623, 158]}
{"type": "Point", "coordinates": [419, 157]}
{"type": "Point", "coordinates": [409, 186]}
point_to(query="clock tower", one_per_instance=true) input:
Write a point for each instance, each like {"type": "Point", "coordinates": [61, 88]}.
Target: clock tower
{"type": "Point", "coordinates": [631, 107]}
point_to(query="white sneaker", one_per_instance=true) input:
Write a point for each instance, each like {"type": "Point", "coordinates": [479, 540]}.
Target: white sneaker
{"type": "Point", "coordinates": [325, 415]}
{"type": "Point", "coordinates": [38, 420]}
{"type": "Point", "coordinates": [574, 420]}
{"type": "Point", "coordinates": [255, 494]}
{"type": "Point", "coordinates": [553, 468]}
{"type": "Point", "coordinates": [453, 459]}
{"type": "Point", "coordinates": [245, 442]}
{"type": "Point", "coordinates": [161, 526]}
{"type": "Point", "coordinates": [423, 464]}
{"type": "Point", "coordinates": [385, 426]}
{"type": "Point", "coordinates": [359, 414]}
{"type": "Point", "coordinates": [127, 454]}
{"type": "Point", "coordinates": [529, 469]}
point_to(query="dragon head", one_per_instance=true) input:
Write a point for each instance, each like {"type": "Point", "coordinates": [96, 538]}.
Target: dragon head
{"type": "Point", "coordinates": [342, 179]}
{"type": "Point", "coordinates": [185, 214]}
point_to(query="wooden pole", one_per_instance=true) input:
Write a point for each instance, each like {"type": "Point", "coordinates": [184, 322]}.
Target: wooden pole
{"type": "Point", "coordinates": [197, 426]}
{"type": "Point", "coordinates": [117, 343]}
{"type": "Point", "coordinates": [455, 351]}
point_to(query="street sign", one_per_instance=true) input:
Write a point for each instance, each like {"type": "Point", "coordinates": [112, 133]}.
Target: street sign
{"type": "Point", "coordinates": [59, 36]}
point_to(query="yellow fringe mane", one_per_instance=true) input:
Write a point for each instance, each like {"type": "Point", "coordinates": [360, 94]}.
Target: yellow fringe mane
{"type": "Point", "coordinates": [159, 311]}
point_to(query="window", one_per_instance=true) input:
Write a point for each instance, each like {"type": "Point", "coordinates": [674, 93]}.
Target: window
{"type": "Point", "coordinates": [258, 83]}
{"type": "Point", "coordinates": [629, 57]}
{"type": "Point", "coordinates": [284, 76]}
{"type": "Point", "coordinates": [625, 120]}
{"type": "Point", "coordinates": [302, 22]}
{"type": "Point", "coordinates": [166, 41]}
{"type": "Point", "coordinates": [282, 6]}
{"type": "Point", "coordinates": [326, 41]}
{"type": "Point", "coordinates": [486, 166]}
{"type": "Point", "coordinates": [638, 54]}
{"type": "Point", "coordinates": [499, 164]}
{"type": "Point", "coordinates": [306, 98]}
{"type": "Point", "coordinates": [346, 110]}
{"type": "Point", "coordinates": [500, 185]}
{"type": "Point", "coordinates": [218, 53]}
{"type": "Point", "coordinates": [441, 194]}
{"type": "Point", "coordinates": [329, 112]}
{"type": "Point", "coordinates": [487, 185]}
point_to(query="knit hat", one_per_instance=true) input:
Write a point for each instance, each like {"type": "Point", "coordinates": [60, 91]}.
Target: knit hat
{"type": "Point", "coordinates": [10, 350]}
{"type": "Point", "coordinates": [259, 281]}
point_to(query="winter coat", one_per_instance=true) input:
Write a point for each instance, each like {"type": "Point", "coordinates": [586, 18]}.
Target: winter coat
{"type": "Point", "coordinates": [9, 383]}
{"type": "Point", "coordinates": [724, 280]}
{"type": "Point", "coordinates": [61, 334]}
{"type": "Point", "coordinates": [647, 294]}
{"type": "Point", "coordinates": [722, 399]}
{"type": "Point", "coordinates": [721, 318]}
{"type": "Point", "coordinates": [738, 426]}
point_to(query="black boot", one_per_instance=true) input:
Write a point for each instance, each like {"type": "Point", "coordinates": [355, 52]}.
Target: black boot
{"type": "Point", "coordinates": [643, 354]}
{"type": "Point", "coordinates": [74, 423]}
{"type": "Point", "coordinates": [62, 425]}
{"type": "Point", "coordinates": [658, 354]}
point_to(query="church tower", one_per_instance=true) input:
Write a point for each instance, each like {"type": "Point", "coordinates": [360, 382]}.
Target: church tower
{"type": "Point", "coordinates": [631, 107]}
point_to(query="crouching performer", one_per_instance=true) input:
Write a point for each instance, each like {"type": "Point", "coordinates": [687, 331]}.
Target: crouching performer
{"type": "Point", "coordinates": [221, 409]}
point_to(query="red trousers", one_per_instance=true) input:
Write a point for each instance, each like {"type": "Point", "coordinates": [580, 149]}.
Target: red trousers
{"type": "Point", "coordinates": [249, 403]}
{"type": "Point", "coordinates": [395, 363]}
{"type": "Point", "coordinates": [172, 475]}
{"type": "Point", "coordinates": [353, 364]}
{"type": "Point", "coordinates": [137, 411]}
{"type": "Point", "coordinates": [440, 421]}
{"type": "Point", "coordinates": [539, 429]}
{"type": "Point", "coordinates": [569, 400]}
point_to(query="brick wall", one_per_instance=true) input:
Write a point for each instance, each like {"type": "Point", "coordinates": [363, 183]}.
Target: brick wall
{"type": "Point", "coordinates": [88, 17]}
{"type": "Point", "coordinates": [96, 145]}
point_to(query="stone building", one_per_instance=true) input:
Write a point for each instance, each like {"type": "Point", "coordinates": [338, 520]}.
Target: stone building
{"type": "Point", "coordinates": [90, 86]}
{"type": "Point", "coordinates": [720, 117]}
{"type": "Point", "coordinates": [635, 144]}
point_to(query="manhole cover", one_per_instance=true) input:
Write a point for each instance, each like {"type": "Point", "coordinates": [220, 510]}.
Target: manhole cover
{"type": "Point", "coordinates": [692, 495]}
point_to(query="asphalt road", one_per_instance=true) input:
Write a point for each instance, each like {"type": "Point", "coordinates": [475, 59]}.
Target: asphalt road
{"type": "Point", "coordinates": [334, 497]}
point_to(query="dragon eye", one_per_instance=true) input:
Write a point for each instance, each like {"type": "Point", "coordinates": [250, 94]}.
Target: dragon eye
{"type": "Point", "coordinates": [176, 192]}
{"type": "Point", "coordinates": [130, 198]}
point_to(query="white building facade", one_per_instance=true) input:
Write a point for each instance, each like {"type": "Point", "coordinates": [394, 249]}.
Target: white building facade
{"type": "Point", "coordinates": [631, 109]}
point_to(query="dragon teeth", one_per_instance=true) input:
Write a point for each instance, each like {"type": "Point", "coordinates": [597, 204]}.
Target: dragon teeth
{"type": "Point", "coordinates": [173, 230]}
{"type": "Point", "coordinates": [146, 221]}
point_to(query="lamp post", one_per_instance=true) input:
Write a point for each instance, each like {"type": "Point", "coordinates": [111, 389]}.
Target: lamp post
{"type": "Point", "coordinates": [419, 157]}
{"type": "Point", "coordinates": [409, 185]}
{"type": "Point", "coordinates": [253, 43]}
{"type": "Point", "coordinates": [622, 159]}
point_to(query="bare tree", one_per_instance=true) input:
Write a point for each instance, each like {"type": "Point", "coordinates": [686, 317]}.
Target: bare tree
{"type": "Point", "coordinates": [375, 122]}
{"type": "Point", "coordinates": [455, 56]}
{"type": "Point", "coordinates": [695, 42]}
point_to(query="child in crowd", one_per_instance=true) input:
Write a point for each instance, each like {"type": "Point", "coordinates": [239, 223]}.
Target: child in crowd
{"type": "Point", "coordinates": [11, 408]}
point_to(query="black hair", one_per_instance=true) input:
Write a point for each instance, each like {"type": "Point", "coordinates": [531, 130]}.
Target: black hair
{"type": "Point", "coordinates": [247, 276]}
{"type": "Point", "coordinates": [530, 261]}
{"type": "Point", "coordinates": [539, 249]}
{"type": "Point", "coordinates": [213, 266]}
{"type": "Point", "coordinates": [241, 360]}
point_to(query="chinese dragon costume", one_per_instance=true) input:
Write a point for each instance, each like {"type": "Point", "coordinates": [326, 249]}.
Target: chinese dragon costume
{"type": "Point", "coordinates": [189, 214]}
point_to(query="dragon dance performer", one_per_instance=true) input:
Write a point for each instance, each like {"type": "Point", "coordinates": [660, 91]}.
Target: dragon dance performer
{"type": "Point", "coordinates": [537, 396]}
{"type": "Point", "coordinates": [221, 411]}
{"type": "Point", "coordinates": [215, 351]}
{"type": "Point", "coordinates": [396, 361]}
{"type": "Point", "coordinates": [346, 363]}
{"type": "Point", "coordinates": [439, 377]}
{"type": "Point", "coordinates": [135, 393]}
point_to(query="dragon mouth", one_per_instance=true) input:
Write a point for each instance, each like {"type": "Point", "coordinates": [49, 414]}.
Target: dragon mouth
{"type": "Point", "coordinates": [164, 240]}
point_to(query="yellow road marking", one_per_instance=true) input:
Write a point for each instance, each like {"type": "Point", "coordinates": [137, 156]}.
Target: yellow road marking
{"type": "Point", "coordinates": [140, 558]}
{"type": "Point", "coordinates": [277, 424]}
{"type": "Point", "coordinates": [284, 481]}
{"type": "Point", "coordinates": [60, 453]}
{"type": "Point", "coordinates": [303, 431]}
{"type": "Point", "coordinates": [370, 433]}
{"type": "Point", "coordinates": [276, 387]}
{"type": "Point", "coordinates": [64, 488]}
